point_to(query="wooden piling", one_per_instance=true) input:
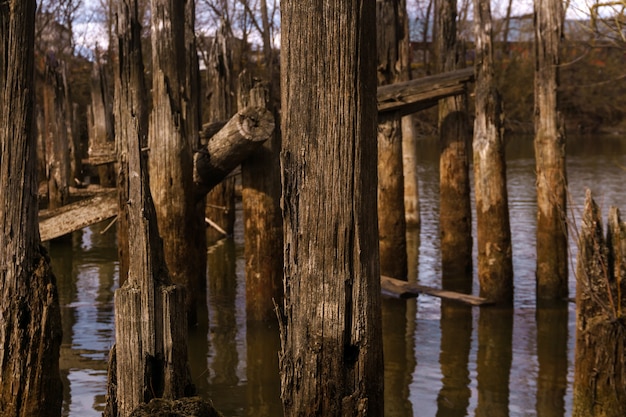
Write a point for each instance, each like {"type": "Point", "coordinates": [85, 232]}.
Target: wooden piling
{"type": "Point", "coordinates": [263, 220]}
{"type": "Point", "coordinates": [172, 137]}
{"type": "Point", "coordinates": [391, 211]}
{"type": "Point", "coordinates": [56, 133]}
{"type": "Point", "coordinates": [552, 236]}
{"type": "Point", "coordinates": [30, 318]}
{"type": "Point", "coordinates": [495, 257]}
{"type": "Point", "coordinates": [220, 197]}
{"type": "Point", "coordinates": [455, 222]}
{"type": "Point", "coordinates": [150, 311]}
{"type": "Point", "coordinates": [600, 359]}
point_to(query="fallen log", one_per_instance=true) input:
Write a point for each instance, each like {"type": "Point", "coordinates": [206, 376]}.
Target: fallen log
{"type": "Point", "coordinates": [405, 289]}
{"type": "Point", "coordinates": [419, 94]}
{"type": "Point", "coordinates": [241, 135]}
{"type": "Point", "coordinates": [74, 216]}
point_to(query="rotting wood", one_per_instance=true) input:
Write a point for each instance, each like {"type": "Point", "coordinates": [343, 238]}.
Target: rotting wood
{"type": "Point", "coordinates": [600, 358]}
{"type": "Point", "coordinates": [75, 216]}
{"type": "Point", "coordinates": [243, 133]}
{"type": "Point", "coordinates": [422, 93]}
{"type": "Point", "coordinates": [405, 289]}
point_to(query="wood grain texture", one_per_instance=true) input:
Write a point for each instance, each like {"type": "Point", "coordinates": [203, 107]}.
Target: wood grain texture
{"type": "Point", "coordinates": [30, 318]}
{"type": "Point", "coordinates": [331, 359]}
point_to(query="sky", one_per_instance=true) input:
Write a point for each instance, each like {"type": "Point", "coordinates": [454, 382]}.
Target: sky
{"type": "Point", "coordinates": [89, 31]}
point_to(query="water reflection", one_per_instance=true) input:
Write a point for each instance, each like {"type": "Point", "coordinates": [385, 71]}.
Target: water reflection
{"type": "Point", "coordinates": [86, 269]}
{"type": "Point", "coordinates": [552, 336]}
{"type": "Point", "coordinates": [495, 353]}
{"type": "Point", "coordinates": [441, 359]}
{"type": "Point", "coordinates": [456, 341]}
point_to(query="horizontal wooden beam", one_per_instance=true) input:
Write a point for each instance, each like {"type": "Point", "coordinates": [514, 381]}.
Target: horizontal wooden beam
{"type": "Point", "coordinates": [75, 216]}
{"type": "Point", "coordinates": [419, 94]}
{"type": "Point", "coordinates": [406, 289]}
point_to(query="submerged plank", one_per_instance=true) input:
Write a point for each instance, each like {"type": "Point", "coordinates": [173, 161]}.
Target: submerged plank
{"type": "Point", "coordinates": [75, 216]}
{"type": "Point", "coordinates": [405, 289]}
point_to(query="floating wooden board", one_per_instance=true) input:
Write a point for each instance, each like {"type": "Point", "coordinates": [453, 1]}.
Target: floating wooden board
{"type": "Point", "coordinates": [75, 216]}
{"type": "Point", "coordinates": [405, 289]}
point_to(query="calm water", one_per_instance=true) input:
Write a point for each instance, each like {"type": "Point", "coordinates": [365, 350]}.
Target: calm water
{"type": "Point", "coordinates": [441, 359]}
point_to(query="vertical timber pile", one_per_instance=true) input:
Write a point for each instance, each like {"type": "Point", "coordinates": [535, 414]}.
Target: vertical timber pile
{"type": "Point", "coordinates": [600, 360]}
{"type": "Point", "coordinates": [55, 133]}
{"type": "Point", "coordinates": [495, 264]}
{"type": "Point", "coordinates": [150, 318]}
{"type": "Point", "coordinates": [172, 136]}
{"type": "Point", "coordinates": [391, 213]}
{"type": "Point", "coordinates": [455, 213]}
{"type": "Point", "coordinates": [263, 221]}
{"type": "Point", "coordinates": [409, 135]}
{"type": "Point", "coordinates": [220, 201]}
{"type": "Point", "coordinates": [331, 358]}
{"type": "Point", "coordinates": [101, 133]}
{"type": "Point", "coordinates": [552, 257]}
{"type": "Point", "coordinates": [30, 318]}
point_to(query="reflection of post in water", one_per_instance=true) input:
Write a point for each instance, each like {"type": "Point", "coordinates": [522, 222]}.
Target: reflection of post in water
{"type": "Point", "coordinates": [495, 351]}
{"type": "Point", "coordinates": [263, 388]}
{"type": "Point", "coordinates": [62, 262]}
{"type": "Point", "coordinates": [552, 321]}
{"type": "Point", "coordinates": [456, 342]}
{"type": "Point", "coordinates": [222, 313]}
{"type": "Point", "coordinates": [399, 354]}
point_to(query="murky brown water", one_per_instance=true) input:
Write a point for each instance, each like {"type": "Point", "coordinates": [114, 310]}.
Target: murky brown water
{"type": "Point", "coordinates": [441, 359]}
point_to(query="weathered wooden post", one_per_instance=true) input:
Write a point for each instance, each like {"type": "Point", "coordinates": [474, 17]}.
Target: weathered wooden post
{"type": "Point", "coordinates": [331, 358]}
{"type": "Point", "coordinates": [172, 137]}
{"type": "Point", "coordinates": [409, 135]}
{"type": "Point", "coordinates": [100, 122]}
{"type": "Point", "coordinates": [391, 213]}
{"type": "Point", "coordinates": [55, 132]}
{"type": "Point", "coordinates": [263, 221]}
{"type": "Point", "coordinates": [30, 319]}
{"type": "Point", "coordinates": [600, 360]}
{"type": "Point", "coordinates": [150, 357]}
{"type": "Point", "coordinates": [455, 222]}
{"type": "Point", "coordinates": [495, 264]}
{"type": "Point", "coordinates": [220, 201]}
{"type": "Point", "coordinates": [552, 252]}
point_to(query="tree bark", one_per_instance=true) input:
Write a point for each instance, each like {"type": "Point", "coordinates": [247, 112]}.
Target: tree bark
{"type": "Point", "coordinates": [391, 212]}
{"type": "Point", "coordinates": [173, 134]}
{"type": "Point", "coordinates": [150, 314]}
{"type": "Point", "coordinates": [552, 233]}
{"type": "Point", "coordinates": [455, 221]}
{"type": "Point", "coordinates": [263, 221]}
{"type": "Point", "coordinates": [30, 318]}
{"type": "Point", "coordinates": [331, 358]}
{"type": "Point", "coordinates": [600, 359]}
{"type": "Point", "coordinates": [495, 264]}
{"type": "Point", "coordinates": [220, 196]}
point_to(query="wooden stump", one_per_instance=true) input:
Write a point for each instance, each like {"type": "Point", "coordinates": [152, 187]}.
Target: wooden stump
{"type": "Point", "coordinates": [600, 361]}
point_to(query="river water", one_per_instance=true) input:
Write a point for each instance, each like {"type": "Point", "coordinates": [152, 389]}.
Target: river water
{"type": "Point", "coordinates": [441, 359]}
